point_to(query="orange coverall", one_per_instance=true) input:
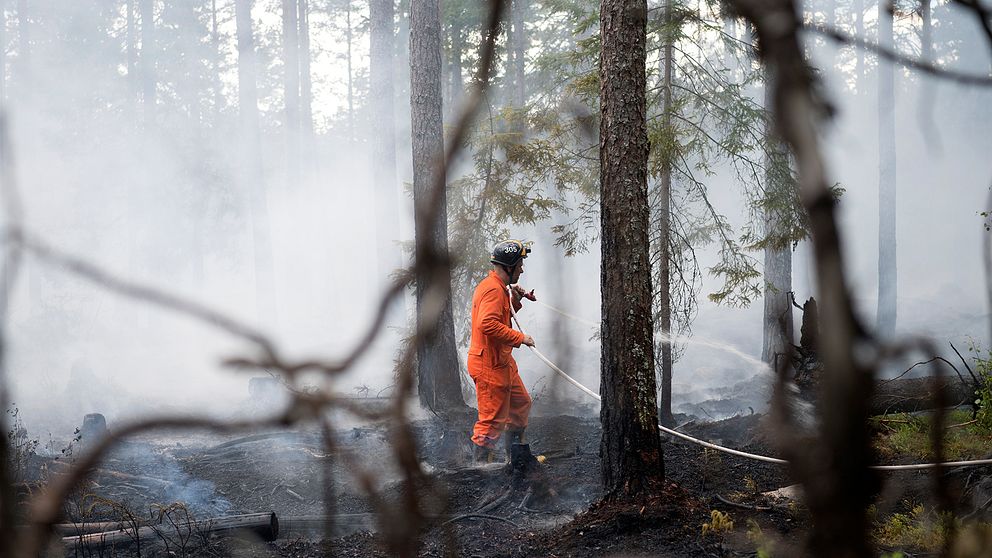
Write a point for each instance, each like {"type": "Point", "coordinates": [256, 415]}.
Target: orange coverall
{"type": "Point", "coordinates": [504, 403]}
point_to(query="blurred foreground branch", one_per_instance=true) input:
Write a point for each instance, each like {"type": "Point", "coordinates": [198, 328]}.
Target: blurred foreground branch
{"type": "Point", "coordinates": [896, 57]}
{"type": "Point", "coordinates": [47, 507]}
{"type": "Point", "coordinates": [833, 467]}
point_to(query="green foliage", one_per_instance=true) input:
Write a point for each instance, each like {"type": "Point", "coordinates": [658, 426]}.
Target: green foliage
{"type": "Point", "coordinates": [712, 121]}
{"type": "Point", "coordinates": [983, 369]}
{"type": "Point", "coordinates": [540, 161]}
{"type": "Point", "coordinates": [915, 528]}
{"type": "Point", "coordinates": [904, 434]}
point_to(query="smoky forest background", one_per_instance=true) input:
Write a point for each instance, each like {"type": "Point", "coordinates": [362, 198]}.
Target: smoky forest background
{"type": "Point", "coordinates": [240, 240]}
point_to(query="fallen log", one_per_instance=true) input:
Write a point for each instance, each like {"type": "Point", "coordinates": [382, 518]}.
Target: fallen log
{"type": "Point", "coordinates": [263, 525]}
{"type": "Point", "coordinates": [88, 527]}
{"type": "Point", "coordinates": [340, 524]}
{"type": "Point", "coordinates": [908, 395]}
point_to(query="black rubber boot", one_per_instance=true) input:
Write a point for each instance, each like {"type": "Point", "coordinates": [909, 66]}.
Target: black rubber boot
{"type": "Point", "coordinates": [481, 455]}
{"type": "Point", "coordinates": [512, 437]}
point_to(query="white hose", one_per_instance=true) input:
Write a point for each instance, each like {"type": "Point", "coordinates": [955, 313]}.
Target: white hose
{"type": "Point", "coordinates": [754, 456]}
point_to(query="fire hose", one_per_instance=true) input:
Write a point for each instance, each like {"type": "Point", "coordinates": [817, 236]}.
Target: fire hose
{"type": "Point", "coordinates": [756, 457]}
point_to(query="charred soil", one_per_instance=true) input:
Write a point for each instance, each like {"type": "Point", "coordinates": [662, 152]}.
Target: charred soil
{"type": "Point", "coordinates": [711, 503]}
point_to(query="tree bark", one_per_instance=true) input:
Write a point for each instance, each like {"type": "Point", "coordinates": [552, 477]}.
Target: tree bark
{"type": "Point", "coordinates": [665, 232]}
{"type": "Point", "coordinates": [439, 385]}
{"type": "Point", "coordinates": [148, 79]}
{"type": "Point", "coordinates": [251, 149]}
{"type": "Point", "coordinates": [777, 328]}
{"type": "Point", "coordinates": [630, 448]}
{"type": "Point", "coordinates": [381, 37]}
{"type": "Point", "coordinates": [291, 86]}
{"type": "Point", "coordinates": [886, 316]}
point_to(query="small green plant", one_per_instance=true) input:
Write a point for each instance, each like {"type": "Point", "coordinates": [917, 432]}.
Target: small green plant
{"type": "Point", "coordinates": [917, 528]}
{"type": "Point", "coordinates": [903, 434]}
{"type": "Point", "coordinates": [983, 401]}
{"type": "Point", "coordinates": [719, 523]}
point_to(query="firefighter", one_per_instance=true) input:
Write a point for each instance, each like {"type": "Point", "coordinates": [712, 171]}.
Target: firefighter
{"type": "Point", "coordinates": [504, 403]}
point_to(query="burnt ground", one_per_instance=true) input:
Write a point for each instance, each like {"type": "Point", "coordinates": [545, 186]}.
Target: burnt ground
{"type": "Point", "coordinates": [556, 513]}
{"type": "Point", "coordinates": [467, 510]}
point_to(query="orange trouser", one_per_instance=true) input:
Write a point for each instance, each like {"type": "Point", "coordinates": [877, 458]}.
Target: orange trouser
{"type": "Point", "coordinates": [504, 404]}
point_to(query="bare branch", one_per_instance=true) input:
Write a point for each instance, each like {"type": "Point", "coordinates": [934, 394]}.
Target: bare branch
{"type": "Point", "coordinates": [898, 58]}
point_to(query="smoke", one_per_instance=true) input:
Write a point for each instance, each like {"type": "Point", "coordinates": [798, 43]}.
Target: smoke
{"type": "Point", "coordinates": [155, 197]}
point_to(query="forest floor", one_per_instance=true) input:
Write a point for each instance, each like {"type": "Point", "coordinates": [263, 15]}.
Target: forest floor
{"type": "Point", "coordinates": [712, 504]}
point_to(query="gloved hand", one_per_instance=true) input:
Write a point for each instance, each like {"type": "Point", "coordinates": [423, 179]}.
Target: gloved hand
{"type": "Point", "coordinates": [519, 293]}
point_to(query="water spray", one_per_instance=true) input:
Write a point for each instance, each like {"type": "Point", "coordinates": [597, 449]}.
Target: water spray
{"type": "Point", "coordinates": [753, 456]}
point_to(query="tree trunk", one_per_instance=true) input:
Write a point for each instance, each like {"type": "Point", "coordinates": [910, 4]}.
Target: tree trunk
{"type": "Point", "coordinates": [351, 78]}
{"type": "Point", "coordinates": [306, 90]}
{"type": "Point", "coordinates": [23, 42]}
{"type": "Point", "coordinates": [291, 85]}
{"type": "Point", "coordinates": [262, 525]}
{"type": "Point", "coordinates": [664, 233]}
{"type": "Point", "coordinates": [630, 448]}
{"type": "Point", "coordinates": [439, 385]}
{"type": "Point", "coordinates": [147, 9]}
{"type": "Point", "coordinates": [518, 11]}
{"type": "Point", "coordinates": [777, 328]}
{"type": "Point", "coordinates": [457, 81]}
{"type": "Point", "coordinates": [215, 69]}
{"type": "Point", "coordinates": [886, 317]}
{"type": "Point", "coordinates": [859, 31]}
{"type": "Point", "coordinates": [251, 149]}
{"type": "Point", "coordinates": [381, 37]}
{"type": "Point", "coordinates": [730, 30]}
{"type": "Point", "coordinates": [132, 58]}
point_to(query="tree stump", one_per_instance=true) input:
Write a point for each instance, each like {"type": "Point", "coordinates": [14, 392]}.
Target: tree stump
{"type": "Point", "coordinates": [94, 428]}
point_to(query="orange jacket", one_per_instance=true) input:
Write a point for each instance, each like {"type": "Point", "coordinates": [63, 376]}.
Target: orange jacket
{"type": "Point", "coordinates": [492, 337]}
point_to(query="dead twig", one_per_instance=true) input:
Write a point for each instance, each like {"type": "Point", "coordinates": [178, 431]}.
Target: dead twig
{"type": "Point", "coordinates": [897, 58]}
{"type": "Point", "coordinates": [921, 363]}
{"type": "Point", "coordinates": [495, 503]}
{"type": "Point", "coordinates": [754, 507]}
{"type": "Point", "coordinates": [967, 367]}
